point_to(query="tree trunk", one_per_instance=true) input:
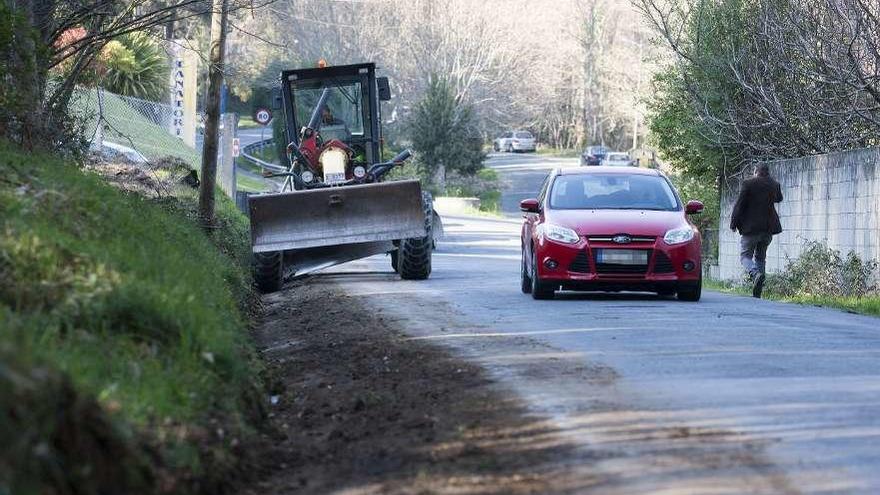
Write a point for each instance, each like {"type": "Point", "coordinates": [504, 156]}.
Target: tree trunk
{"type": "Point", "coordinates": [212, 113]}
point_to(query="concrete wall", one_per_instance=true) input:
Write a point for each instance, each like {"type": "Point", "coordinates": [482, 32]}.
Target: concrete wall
{"type": "Point", "coordinates": [834, 197]}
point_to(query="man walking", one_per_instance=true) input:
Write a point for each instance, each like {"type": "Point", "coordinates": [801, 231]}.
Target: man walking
{"type": "Point", "coordinates": [754, 214]}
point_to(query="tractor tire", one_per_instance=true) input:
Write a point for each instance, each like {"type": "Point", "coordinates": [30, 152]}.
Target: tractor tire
{"type": "Point", "coordinates": [414, 254]}
{"type": "Point", "coordinates": [268, 271]}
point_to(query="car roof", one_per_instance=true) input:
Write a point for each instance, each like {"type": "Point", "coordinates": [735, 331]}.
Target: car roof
{"type": "Point", "coordinates": [608, 170]}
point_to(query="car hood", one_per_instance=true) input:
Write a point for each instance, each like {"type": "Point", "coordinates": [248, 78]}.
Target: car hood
{"type": "Point", "coordinates": [609, 222]}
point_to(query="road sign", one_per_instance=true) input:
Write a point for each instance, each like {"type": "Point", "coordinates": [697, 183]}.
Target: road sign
{"type": "Point", "coordinates": [236, 147]}
{"type": "Point", "coordinates": [263, 116]}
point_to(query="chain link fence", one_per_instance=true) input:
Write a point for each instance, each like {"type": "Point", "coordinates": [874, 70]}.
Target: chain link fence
{"type": "Point", "coordinates": [132, 123]}
{"type": "Point", "coordinates": [140, 130]}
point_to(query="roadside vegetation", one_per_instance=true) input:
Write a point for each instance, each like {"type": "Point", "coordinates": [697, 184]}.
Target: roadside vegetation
{"type": "Point", "coordinates": [822, 276]}
{"type": "Point", "coordinates": [125, 365]}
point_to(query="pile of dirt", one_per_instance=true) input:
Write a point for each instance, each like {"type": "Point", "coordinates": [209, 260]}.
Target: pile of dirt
{"type": "Point", "coordinates": [360, 407]}
{"type": "Point", "coordinates": [156, 179]}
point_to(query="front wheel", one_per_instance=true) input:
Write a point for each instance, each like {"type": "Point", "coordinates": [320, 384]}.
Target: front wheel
{"type": "Point", "coordinates": [526, 281]}
{"type": "Point", "coordinates": [540, 289]}
{"type": "Point", "coordinates": [692, 291]}
{"type": "Point", "coordinates": [414, 254]}
{"type": "Point", "coordinates": [268, 271]}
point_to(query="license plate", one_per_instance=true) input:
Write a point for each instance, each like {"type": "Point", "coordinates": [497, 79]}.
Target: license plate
{"type": "Point", "coordinates": [622, 256]}
{"type": "Point", "coordinates": [333, 178]}
{"type": "Point", "coordinates": [334, 172]}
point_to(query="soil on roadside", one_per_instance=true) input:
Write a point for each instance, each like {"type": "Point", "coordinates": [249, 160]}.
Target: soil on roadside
{"type": "Point", "coordinates": [358, 407]}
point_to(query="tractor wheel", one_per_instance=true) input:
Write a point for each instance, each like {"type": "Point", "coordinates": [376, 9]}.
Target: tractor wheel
{"type": "Point", "coordinates": [268, 271]}
{"type": "Point", "coordinates": [414, 254]}
{"type": "Point", "coordinates": [394, 260]}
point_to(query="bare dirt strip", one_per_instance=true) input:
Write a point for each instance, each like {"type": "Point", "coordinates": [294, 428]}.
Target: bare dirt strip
{"type": "Point", "coordinates": [359, 408]}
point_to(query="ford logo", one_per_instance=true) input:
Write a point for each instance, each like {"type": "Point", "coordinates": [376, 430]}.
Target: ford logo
{"type": "Point", "coordinates": [622, 239]}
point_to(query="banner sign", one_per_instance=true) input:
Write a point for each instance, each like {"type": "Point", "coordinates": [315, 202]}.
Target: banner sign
{"type": "Point", "coordinates": [184, 79]}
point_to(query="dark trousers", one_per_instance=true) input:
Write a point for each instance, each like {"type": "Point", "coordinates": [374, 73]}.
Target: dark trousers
{"type": "Point", "coordinates": [753, 252]}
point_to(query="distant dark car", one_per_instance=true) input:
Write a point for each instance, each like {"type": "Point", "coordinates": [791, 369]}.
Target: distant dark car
{"type": "Point", "coordinates": [593, 155]}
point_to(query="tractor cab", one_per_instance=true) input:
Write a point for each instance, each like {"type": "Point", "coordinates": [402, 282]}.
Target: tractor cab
{"type": "Point", "coordinates": [336, 110]}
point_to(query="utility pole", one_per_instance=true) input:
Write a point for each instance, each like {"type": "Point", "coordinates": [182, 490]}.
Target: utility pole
{"type": "Point", "coordinates": [212, 112]}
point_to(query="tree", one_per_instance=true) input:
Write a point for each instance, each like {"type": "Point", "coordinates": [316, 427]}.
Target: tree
{"type": "Point", "coordinates": [768, 80]}
{"type": "Point", "coordinates": [49, 34]}
{"type": "Point", "coordinates": [444, 134]}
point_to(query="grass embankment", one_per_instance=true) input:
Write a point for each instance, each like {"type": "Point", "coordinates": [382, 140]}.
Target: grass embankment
{"type": "Point", "coordinates": [867, 305]}
{"type": "Point", "coordinates": [125, 365]}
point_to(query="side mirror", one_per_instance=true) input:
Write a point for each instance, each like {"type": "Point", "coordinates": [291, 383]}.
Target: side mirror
{"type": "Point", "coordinates": [384, 88]}
{"type": "Point", "coordinates": [276, 98]}
{"type": "Point", "coordinates": [529, 205]}
{"type": "Point", "coordinates": [693, 207]}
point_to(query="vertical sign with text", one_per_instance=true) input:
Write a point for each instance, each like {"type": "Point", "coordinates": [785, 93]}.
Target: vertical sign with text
{"type": "Point", "coordinates": [184, 78]}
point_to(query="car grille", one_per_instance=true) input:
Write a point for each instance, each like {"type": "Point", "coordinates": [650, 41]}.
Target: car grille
{"type": "Point", "coordinates": [610, 238]}
{"type": "Point", "coordinates": [616, 269]}
{"type": "Point", "coordinates": [662, 263]}
{"type": "Point", "coordinates": [581, 263]}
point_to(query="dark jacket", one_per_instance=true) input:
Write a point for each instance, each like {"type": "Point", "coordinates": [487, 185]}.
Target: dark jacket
{"type": "Point", "coordinates": [754, 211]}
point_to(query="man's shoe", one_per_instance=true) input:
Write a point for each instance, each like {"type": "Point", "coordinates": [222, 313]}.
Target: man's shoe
{"type": "Point", "coordinates": [758, 286]}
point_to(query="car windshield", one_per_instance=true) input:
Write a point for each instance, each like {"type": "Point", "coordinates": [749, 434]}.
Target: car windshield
{"type": "Point", "coordinates": [617, 156]}
{"type": "Point", "coordinates": [612, 192]}
{"type": "Point", "coordinates": [524, 135]}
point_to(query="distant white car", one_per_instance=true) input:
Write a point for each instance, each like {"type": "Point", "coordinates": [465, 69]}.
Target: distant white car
{"type": "Point", "coordinates": [616, 159]}
{"type": "Point", "coordinates": [514, 141]}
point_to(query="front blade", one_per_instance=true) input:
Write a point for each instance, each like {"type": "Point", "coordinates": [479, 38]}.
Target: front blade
{"type": "Point", "coordinates": [336, 215]}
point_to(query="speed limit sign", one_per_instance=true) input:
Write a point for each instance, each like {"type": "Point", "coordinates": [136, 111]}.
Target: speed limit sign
{"type": "Point", "coordinates": [263, 116]}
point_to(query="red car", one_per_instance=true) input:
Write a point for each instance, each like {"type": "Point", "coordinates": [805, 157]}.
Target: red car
{"type": "Point", "coordinates": [610, 229]}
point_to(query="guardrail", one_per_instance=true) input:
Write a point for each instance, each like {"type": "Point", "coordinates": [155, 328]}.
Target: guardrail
{"type": "Point", "coordinates": [248, 151]}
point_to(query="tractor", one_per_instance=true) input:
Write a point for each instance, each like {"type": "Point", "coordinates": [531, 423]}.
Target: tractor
{"type": "Point", "coordinates": [334, 205]}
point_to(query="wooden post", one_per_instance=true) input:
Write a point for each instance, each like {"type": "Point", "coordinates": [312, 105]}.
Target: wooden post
{"type": "Point", "coordinates": [212, 112]}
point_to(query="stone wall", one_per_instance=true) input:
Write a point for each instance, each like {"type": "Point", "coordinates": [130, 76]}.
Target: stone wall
{"type": "Point", "coordinates": [834, 198]}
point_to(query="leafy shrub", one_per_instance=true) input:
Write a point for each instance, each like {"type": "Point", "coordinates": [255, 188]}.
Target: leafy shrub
{"type": "Point", "coordinates": [135, 65]}
{"type": "Point", "coordinates": [822, 271]}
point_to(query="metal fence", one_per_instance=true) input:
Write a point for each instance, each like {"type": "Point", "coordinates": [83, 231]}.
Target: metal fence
{"type": "Point", "coordinates": [131, 123]}
{"type": "Point", "coordinates": [140, 129]}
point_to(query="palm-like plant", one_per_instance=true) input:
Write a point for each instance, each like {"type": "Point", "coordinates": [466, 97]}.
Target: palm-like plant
{"type": "Point", "coordinates": [135, 65]}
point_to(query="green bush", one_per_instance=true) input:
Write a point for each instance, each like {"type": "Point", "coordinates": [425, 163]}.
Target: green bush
{"type": "Point", "coordinates": [820, 271]}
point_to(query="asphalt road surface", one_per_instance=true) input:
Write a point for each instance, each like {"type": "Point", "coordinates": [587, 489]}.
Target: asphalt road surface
{"type": "Point", "coordinates": [523, 174]}
{"type": "Point", "coordinates": [728, 395]}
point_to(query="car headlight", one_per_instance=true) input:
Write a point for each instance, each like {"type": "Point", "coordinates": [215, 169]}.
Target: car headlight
{"type": "Point", "coordinates": [307, 176]}
{"type": "Point", "coordinates": [560, 234]}
{"type": "Point", "coordinates": [678, 236]}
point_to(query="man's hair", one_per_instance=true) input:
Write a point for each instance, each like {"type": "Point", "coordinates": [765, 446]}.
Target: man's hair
{"type": "Point", "coordinates": [763, 169]}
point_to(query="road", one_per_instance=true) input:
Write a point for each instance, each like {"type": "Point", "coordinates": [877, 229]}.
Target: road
{"type": "Point", "coordinates": [728, 395]}
{"type": "Point", "coordinates": [522, 175]}
{"type": "Point", "coordinates": [247, 137]}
